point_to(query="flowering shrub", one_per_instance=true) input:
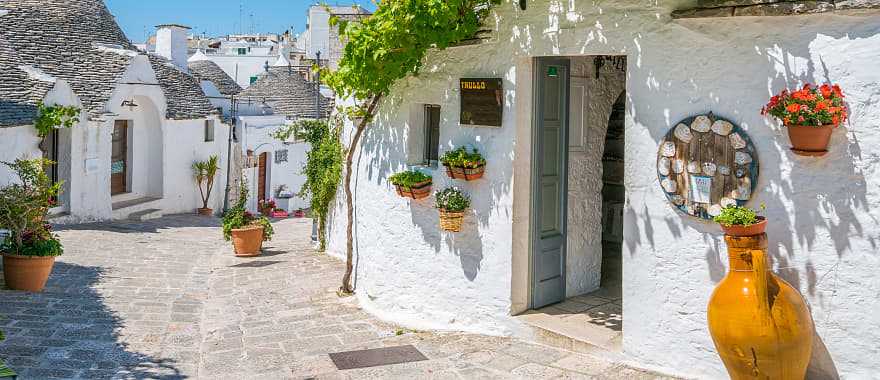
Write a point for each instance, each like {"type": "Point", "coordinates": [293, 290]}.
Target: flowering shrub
{"type": "Point", "coordinates": [809, 106]}
{"type": "Point", "coordinates": [23, 208]}
{"type": "Point", "coordinates": [267, 204]}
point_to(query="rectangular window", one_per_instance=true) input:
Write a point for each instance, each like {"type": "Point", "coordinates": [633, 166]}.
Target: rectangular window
{"type": "Point", "coordinates": [209, 130]}
{"type": "Point", "coordinates": [242, 51]}
{"type": "Point", "coordinates": [432, 134]}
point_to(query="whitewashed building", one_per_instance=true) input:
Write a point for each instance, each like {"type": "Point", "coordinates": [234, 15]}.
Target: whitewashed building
{"type": "Point", "coordinates": [320, 37]}
{"type": "Point", "coordinates": [278, 98]}
{"type": "Point", "coordinates": [144, 121]}
{"type": "Point", "coordinates": [624, 74]}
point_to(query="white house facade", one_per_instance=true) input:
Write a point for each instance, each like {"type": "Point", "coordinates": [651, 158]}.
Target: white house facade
{"type": "Point", "coordinates": [632, 72]}
{"type": "Point", "coordinates": [144, 121]}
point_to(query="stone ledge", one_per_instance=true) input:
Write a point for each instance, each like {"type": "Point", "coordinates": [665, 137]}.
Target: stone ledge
{"type": "Point", "coordinates": [765, 8]}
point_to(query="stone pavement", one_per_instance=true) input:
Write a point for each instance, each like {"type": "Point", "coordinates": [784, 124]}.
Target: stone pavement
{"type": "Point", "coordinates": [167, 299]}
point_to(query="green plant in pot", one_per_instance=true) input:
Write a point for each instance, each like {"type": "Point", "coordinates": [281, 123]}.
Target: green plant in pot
{"type": "Point", "coordinates": [452, 203]}
{"type": "Point", "coordinates": [412, 184]}
{"type": "Point", "coordinates": [463, 164]}
{"type": "Point", "coordinates": [246, 230]}
{"type": "Point", "coordinates": [741, 221]}
{"type": "Point", "coordinates": [204, 173]}
{"type": "Point", "coordinates": [29, 247]}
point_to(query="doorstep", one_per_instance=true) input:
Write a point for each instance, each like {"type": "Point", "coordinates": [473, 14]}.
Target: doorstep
{"type": "Point", "coordinates": [588, 323]}
{"type": "Point", "coordinates": [139, 209]}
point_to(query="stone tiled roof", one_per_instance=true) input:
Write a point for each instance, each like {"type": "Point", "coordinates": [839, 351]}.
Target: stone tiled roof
{"type": "Point", "coordinates": [20, 92]}
{"type": "Point", "coordinates": [288, 93]}
{"type": "Point", "coordinates": [80, 42]}
{"type": "Point", "coordinates": [209, 71]}
{"type": "Point", "coordinates": [62, 38]}
{"type": "Point", "coordinates": [183, 92]}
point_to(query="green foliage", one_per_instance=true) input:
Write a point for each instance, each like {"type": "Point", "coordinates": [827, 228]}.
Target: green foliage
{"type": "Point", "coordinates": [51, 117]}
{"type": "Point", "coordinates": [323, 169]}
{"type": "Point", "coordinates": [461, 158]}
{"type": "Point", "coordinates": [391, 44]}
{"type": "Point", "coordinates": [452, 199]}
{"type": "Point", "coordinates": [734, 215]}
{"type": "Point", "coordinates": [409, 178]}
{"type": "Point", "coordinates": [238, 217]}
{"type": "Point", "coordinates": [23, 209]}
{"type": "Point", "coordinates": [204, 173]}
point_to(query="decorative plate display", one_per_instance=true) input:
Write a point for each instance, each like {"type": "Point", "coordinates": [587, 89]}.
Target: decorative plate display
{"type": "Point", "coordinates": [705, 163]}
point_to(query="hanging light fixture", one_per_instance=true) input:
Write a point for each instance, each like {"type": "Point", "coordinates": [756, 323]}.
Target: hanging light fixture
{"type": "Point", "coordinates": [130, 104]}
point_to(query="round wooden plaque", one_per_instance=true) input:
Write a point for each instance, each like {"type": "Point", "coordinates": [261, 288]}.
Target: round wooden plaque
{"type": "Point", "coordinates": [705, 163]}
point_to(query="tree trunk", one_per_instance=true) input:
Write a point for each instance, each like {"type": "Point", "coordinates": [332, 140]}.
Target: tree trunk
{"type": "Point", "coordinates": [346, 287]}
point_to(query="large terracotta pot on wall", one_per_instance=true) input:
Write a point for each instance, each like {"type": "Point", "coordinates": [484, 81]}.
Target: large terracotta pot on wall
{"type": "Point", "coordinates": [810, 140]}
{"type": "Point", "coordinates": [28, 273]}
{"type": "Point", "coordinates": [248, 242]}
{"type": "Point", "coordinates": [760, 324]}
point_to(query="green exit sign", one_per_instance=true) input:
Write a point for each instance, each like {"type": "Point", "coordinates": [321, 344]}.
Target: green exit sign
{"type": "Point", "coordinates": [552, 71]}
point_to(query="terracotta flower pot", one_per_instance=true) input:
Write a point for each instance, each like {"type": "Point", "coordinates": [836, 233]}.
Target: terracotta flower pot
{"type": "Point", "coordinates": [28, 273]}
{"type": "Point", "coordinates": [467, 174]}
{"type": "Point", "coordinates": [248, 241]}
{"type": "Point", "coordinates": [752, 230]}
{"type": "Point", "coordinates": [810, 140]}
{"type": "Point", "coordinates": [206, 211]}
{"type": "Point", "coordinates": [420, 190]}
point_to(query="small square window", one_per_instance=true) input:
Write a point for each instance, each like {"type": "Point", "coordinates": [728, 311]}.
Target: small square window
{"type": "Point", "coordinates": [423, 144]}
{"type": "Point", "coordinates": [280, 156]}
{"type": "Point", "coordinates": [253, 79]}
{"type": "Point", "coordinates": [209, 130]}
{"type": "Point", "coordinates": [432, 134]}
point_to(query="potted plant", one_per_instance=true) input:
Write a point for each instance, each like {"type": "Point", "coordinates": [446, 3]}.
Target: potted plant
{"type": "Point", "coordinates": [266, 206]}
{"type": "Point", "coordinates": [810, 115]}
{"type": "Point", "coordinates": [412, 184]}
{"type": "Point", "coordinates": [452, 203]}
{"type": "Point", "coordinates": [204, 172]}
{"type": "Point", "coordinates": [462, 164]}
{"type": "Point", "coordinates": [279, 213]}
{"type": "Point", "coordinates": [741, 221]}
{"type": "Point", "coordinates": [29, 247]}
{"type": "Point", "coordinates": [246, 230]}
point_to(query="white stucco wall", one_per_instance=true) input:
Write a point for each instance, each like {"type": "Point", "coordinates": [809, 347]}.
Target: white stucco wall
{"type": "Point", "coordinates": [240, 67]}
{"type": "Point", "coordinates": [257, 137]}
{"type": "Point", "coordinates": [823, 212]}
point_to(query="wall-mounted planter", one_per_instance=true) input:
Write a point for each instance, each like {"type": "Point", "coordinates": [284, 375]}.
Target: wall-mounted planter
{"type": "Point", "coordinates": [809, 140]}
{"type": "Point", "coordinates": [810, 115]}
{"type": "Point", "coordinates": [467, 174]}
{"type": "Point", "coordinates": [463, 164]}
{"type": "Point", "coordinates": [451, 221]}
{"type": "Point", "coordinates": [417, 191]}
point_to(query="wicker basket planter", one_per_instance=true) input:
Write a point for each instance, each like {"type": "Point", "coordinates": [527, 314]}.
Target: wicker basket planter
{"type": "Point", "coordinates": [420, 190]}
{"type": "Point", "coordinates": [467, 174]}
{"type": "Point", "coordinates": [451, 220]}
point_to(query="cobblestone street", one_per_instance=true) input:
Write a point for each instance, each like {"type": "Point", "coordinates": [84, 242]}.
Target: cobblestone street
{"type": "Point", "coordinates": [167, 299]}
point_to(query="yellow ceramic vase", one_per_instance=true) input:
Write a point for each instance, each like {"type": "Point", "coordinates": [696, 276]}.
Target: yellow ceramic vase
{"type": "Point", "coordinates": [760, 324]}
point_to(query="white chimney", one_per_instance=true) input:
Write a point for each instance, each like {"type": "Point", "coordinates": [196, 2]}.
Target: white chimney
{"type": "Point", "coordinates": [171, 43]}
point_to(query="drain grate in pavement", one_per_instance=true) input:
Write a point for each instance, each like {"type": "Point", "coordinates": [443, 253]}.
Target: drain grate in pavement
{"type": "Point", "coordinates": [254, 264]}
{"type": "Point", "coordinates": [376, 357]}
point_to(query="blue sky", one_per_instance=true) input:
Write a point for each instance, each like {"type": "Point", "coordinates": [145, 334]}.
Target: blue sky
{"type": "Point", "coordinates": [215, 17]}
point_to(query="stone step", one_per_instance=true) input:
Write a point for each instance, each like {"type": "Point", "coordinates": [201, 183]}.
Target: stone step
{"type": "Point", "coordinates": [144, 215]}
{"type": "Point", "coordinates": [576, 336]}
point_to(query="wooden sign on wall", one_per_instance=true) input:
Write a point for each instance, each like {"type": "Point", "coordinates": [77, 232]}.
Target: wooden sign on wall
{"type": "Point", "coordinates": [482, 101]}
{"type": "Point", "coordinates": [706, 163]}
